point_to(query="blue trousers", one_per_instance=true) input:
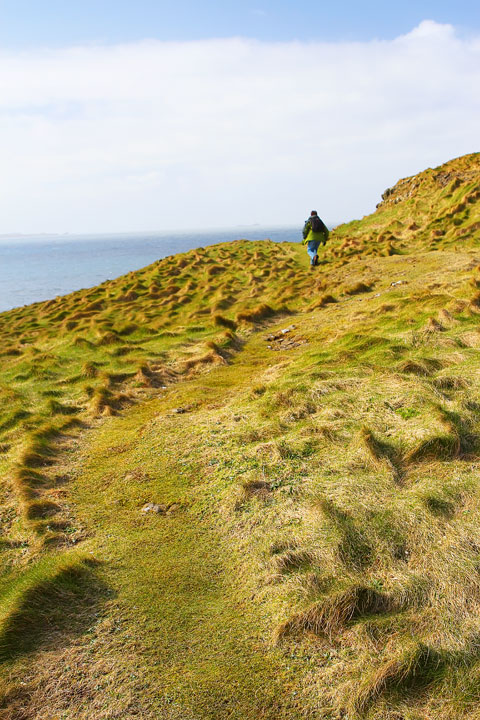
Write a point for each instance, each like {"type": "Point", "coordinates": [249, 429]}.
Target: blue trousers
{"type": "Point", "coordinates": [312, 248]}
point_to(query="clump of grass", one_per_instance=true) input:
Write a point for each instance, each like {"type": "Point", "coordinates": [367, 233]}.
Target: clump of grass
{"type": "Point", "coordinates": [32, 607]}
{"type": "Point", "coordinates": [122, 350]}
{"type": "Point", "coordinates": [354, 549]}
{"type": "Point", "coordinates": [414, 666]}
{"type": "Point", "coordinates": [358, 288]}
{"type": "Point", "coordinates": [26, 482]}
{"type": "Point", "coordinates": [89, 370]}
{"type": "Point", "coordinates": [380, 452]}
{"type": "Point", "coordinates": [327, 431]}
{"type": "Point", "coordinates": [145, 376]}
{"type": "Point", "coordinates": [386, 308]}
{"type": "Point", "coordinates": [450, 383]}
{"type": "Point", "coordinates": [40, 509]}
{"type": "Point", "coordinates": [108, 338]}
{"type": "Point", "coordinates": [257, 314]}
{"type": "Point", "coordinates": [212, 357]}
{"type": "Point", "coordinates": [255, 488]}
{"type": "Point", "coordinates": [106, 402]}
{"type": "Point", "coordinates": [258, 390]}
{"type": "Point", "coordinates": [36, 454]}
{"type": "Point", "coordinates": [11, 352]}
{"type": "Point", "coordinates": [440, 506]}
{"type": "Point", "coordinates": [224, 322]}
{"type": "Point", "coordinates": [127, 329]}
{"type": "Point", "coordinates": [445, 446]}
{"type": "Point", "coordinates": [475, 300]}
{"type": "Point", "coordinates": [390, 249]}
{"type": "Point", "coordinates": [446, 318]}
{"type": "Point", "coordinates": [324, 300]}
{"type": "Point", "coordinates": [331, 615]}
{"type": "Point", "coordinates": [13, 418]}
{"type": "Point", "coordinates": [129, 296]}
{"type": "Point", "coordinates": [54, 407]}
{"type": "Point", "coordinates": [413, 367]}
{"type": "Point", "coordinates": [293, 559]}
{"type": "Point", "coordinates": [434, 325]}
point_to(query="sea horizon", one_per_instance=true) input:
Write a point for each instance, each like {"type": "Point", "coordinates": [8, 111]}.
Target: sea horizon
{"type": "Point", "coordinates": [67, 235]}
{"type": "Point", "coordinates": [39, 267]}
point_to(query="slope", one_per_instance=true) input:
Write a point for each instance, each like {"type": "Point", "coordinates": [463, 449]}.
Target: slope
{"type": "Point", "coordinates": [315, 545]}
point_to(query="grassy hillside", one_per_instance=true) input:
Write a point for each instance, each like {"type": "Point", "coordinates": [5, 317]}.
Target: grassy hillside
{"type": "Point", "coordinates": [234, 486]}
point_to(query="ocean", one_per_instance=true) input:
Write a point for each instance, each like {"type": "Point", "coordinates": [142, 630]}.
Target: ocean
{"type": "Point", "coordinates": [33, 269]}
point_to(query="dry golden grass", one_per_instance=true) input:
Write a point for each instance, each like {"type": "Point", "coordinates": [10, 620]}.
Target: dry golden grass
{"type": "Point", "coordinates": [332, 615]}
{"type": "Point", "coordinates": [416, 666]}
{"type": "Point", "coordinates": [340, 475]}
{"type": "Point", "coordinates": [257, 314]}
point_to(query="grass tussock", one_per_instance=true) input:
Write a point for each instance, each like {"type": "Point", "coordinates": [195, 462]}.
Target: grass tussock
{"type": "Point", "coordinates": [225, 322]}
{"type": "Point", "coordinates": [324, 300]}
{"type": "Point", "coordinates": [106, 402]}
{"type": "Point", "coordinates": [42, 602]}
{"type": "Point", "coordinates": [413, 667]}
{"type": "Point", "coordinates": [449, 382]}
{"type": "Point", "coordinates": [255, 315]}
{"type": "Point", "coordinates": [212, 357]}
{"type": "Point", "coordinates": [26, 483]}
{"type": "Point", "coordinates": [446, 318]}
{"type": "Point", "coordinates": [358, 288]}
{"type": "Point", "coordinates": [89, 370]}
{"type": "Point", "coordinates": [251, 489]}
{"type": "Point", "coordinates": [147, 377]}
{"type": "Point", "coordinates": [40, 509]}
{"type": "Point", "coordinates": [332, 615]}
{"type": "Point", "coordinates": [380, 452]}
{"type": "Point", "coordinates": [293, 560]}
{"type": "Point", "coordinates": [445, 446]}
{"type": "Point", "coordinates": [412, 367]}
{"type": "Point", "coordinates": [377, 569]}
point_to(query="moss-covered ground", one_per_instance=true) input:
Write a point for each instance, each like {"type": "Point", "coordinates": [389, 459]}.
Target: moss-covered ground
{"type": "Point", "coordinates": [238, 487]}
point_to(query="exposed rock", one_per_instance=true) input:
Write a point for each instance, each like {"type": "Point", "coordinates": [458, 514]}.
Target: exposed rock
{"type": "Point", "coordinates": [276, 336]}
{"type": "Point", "coordinates": [154, 508]}
{"type": "Point", "coordinates": [287, 343]}
{"type": "Point", "coordinates": [161, 509]}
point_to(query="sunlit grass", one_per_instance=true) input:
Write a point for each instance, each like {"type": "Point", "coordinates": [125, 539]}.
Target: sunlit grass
{"type": "Point", "coordinates": [317, 552]}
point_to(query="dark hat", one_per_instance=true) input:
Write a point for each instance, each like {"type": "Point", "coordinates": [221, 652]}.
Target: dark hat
{"type": "Point", "coordinates": [314, 212]}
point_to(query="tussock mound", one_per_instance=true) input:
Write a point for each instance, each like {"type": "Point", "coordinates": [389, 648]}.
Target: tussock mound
{"type": "Point", "coordinates": [325, 494]}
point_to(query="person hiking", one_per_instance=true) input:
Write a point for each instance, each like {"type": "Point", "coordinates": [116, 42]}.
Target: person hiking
{"type": "Point", "coordinates": [314, 232]}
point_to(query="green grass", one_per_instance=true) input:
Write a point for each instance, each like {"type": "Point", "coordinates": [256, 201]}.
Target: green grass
{"type": "Point", "coordinates": [42, 601]}
{"type": "Point", "coordinates": [317, 555]}
{"type": "Point", "coordinates": [171, 576]}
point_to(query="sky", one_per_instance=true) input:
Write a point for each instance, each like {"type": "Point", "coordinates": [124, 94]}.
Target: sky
{"type": "Point", "coordinates": [141, 116]}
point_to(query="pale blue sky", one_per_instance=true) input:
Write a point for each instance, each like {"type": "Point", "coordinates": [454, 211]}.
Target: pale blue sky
{"type": "Point", "coordinates": [54, 23]}
{"type": "Point", "coordinates": [119, 116]}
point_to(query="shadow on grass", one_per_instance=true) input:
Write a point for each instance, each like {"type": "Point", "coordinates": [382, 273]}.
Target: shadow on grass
{"type": "Point", "coordinates": [353, 548]}
{"type": "Point", "coordinates": [56, 599]}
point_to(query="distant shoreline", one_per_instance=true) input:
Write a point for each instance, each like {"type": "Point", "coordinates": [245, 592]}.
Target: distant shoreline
{"type": "Point", "coordinates": [35, 268]}
{"type": "Point", "coordinates": [143, 233]}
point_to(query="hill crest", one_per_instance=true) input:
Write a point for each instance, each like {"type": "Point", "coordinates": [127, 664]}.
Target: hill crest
{"type": "Point", "coordinates": [227, 460]}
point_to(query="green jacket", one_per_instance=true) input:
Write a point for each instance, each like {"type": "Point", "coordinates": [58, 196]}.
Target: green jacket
{"type": "Point", "coordinates": [309, 235]}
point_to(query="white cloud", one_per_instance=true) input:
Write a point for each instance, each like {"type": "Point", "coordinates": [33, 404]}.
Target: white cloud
{"type": "Point", "coordinates": [159, 135]}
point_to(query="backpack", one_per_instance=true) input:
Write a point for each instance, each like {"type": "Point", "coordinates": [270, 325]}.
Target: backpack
{"type": "Point", "coordinates": [317, 224]}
